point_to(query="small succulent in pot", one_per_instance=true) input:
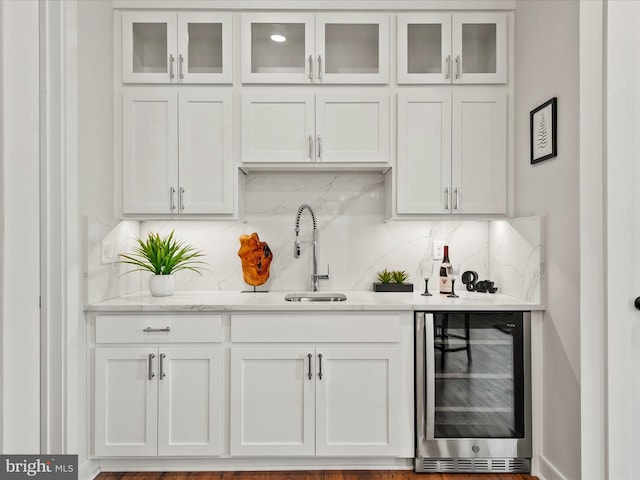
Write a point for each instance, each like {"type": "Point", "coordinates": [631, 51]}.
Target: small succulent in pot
{"type": "Point", "coordinates": [399, 276]}
{"type": "Point", "coordinates": [385, 276]}
{"type": "Point", "coordinates": [163, 256]}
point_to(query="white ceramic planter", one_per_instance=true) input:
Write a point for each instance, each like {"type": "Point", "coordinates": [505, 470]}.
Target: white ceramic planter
{"type": "Point", "coordinates": [162, 285]}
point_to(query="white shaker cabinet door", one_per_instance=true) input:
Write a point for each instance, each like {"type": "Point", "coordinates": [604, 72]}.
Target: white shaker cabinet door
{"type": "Point", "coordinates": [126, 402]}
{"type": "Point", "coordinates": [479, 152]}
{"type": "Point", "coordinates": [352, 127]}
{"type": "Point", "coordinates": [206, 175]}
{"type": "Point", "coordinates": [278, 127]}
{"type": "Point", "coordinates": [190, 406]}
{"type": "Point", "coordinates": [272, 401]}
{"type": "Point", "coordinates": [424, 152]}
{"type": "Point", "coordinates": [358, 401]}
{"type": "Point", "coordinates": [150, 150]}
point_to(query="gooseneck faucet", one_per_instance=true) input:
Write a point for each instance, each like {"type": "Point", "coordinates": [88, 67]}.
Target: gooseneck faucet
{"type": "Point", "coordinates": [315, 277]}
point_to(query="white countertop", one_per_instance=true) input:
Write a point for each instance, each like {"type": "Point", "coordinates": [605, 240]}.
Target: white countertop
{"type": "Point", "coordinates": [236, 301]}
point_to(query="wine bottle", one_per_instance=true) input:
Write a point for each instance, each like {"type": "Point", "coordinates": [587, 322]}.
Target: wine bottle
{"type": "Point", "coordinates": [445, 272]}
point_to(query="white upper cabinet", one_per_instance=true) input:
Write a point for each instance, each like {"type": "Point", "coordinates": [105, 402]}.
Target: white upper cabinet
{"type": "Point", "coordinates": [452, 152]}
{"type": "Point", "coordinates": [308, 48]}
{"type": "Point", "coordinates": [454, 48]}
{"type": "Point", "coordinates": [177, 151]}
{"type": "Point", "coordinates": [169, 47]}
{"type": "Point", "coordinates": [301, 127]}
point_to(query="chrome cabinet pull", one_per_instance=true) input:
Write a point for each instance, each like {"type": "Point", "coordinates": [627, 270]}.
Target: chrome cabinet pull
{"type": "Point", "coordinates": [149, 329]}
{"type": "Point", "coordinates": [171, 60]}
{"type": "Point", "coordinates": [319, 366]}
{"type": "Point", "coordinates": [448, 67]}
{"type": "Point", "coordinates": [162, 373]}
{"type": "Point", "coordinates": [319, 147]}
{"type": "Point", "coordinates": [180, 65]}
{"type": "Point", "coordinates": [151, 374]}
{"type": "Point", "coordinates": [311, 147]}
{"type": "Point", "coordinates": [319, 67]}
{"type": "Point", "coordinates": [172, 198]}
{"type": "Point", "coordinates": [181, 199]}
{"type": "Point", "coordinates": [457, 67]}
{"type": "Point", "coordinates": [309, 376]}
{"type": "Point", "coordinates": [446, 198]}
{"type": "Point", "coordinates": [456, 205]}
{"type": "Point", "coordinates": [311, 67]}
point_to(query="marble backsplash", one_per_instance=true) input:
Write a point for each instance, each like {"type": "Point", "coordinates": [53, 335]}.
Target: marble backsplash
{"type": "Point", "coordinates": [353, 239]}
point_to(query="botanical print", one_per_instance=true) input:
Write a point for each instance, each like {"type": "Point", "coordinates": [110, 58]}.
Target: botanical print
{"type": "Point", "coordinates": [543, 142]}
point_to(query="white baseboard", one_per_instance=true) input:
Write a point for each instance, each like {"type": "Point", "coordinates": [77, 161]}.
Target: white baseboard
{"type": "Point", "coordinates": [251, 464]}
{"type": "Point", "coordinates": [89, 470]}
{"type": "Point", "coordinates": [548, 471]}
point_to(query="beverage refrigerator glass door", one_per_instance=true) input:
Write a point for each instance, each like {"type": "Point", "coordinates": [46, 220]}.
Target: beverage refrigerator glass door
{"type": "Point", "coordinates": [473, 396]}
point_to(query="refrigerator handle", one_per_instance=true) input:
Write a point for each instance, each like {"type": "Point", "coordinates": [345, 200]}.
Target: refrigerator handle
{"type": "Point", "coordinates": [430, 386]}
{"type": "Point", "coordinates": [421, 427]}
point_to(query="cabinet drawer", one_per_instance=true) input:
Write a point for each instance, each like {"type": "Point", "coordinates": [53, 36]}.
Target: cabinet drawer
{"type": "Point", "coordinates": [315, 328]}
{"type": "Point", "coordinates": [158, 328]}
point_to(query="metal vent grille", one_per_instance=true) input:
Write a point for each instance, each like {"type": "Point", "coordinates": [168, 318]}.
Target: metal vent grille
{"type": "Point", "coordinates": [518, 465]}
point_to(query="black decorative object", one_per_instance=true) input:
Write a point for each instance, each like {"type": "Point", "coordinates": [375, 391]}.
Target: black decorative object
{"type": "Point", "coordinates": [543, 130]}
{"type": "Point", "coordinates": [453, 289]}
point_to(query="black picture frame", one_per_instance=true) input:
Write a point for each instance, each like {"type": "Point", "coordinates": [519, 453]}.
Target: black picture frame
{"type": "Point", "coordinates": [543, 123]}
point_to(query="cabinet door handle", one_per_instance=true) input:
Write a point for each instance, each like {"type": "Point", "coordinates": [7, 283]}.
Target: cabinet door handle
{"type": "Point", "coordinates": [181, 199]}
{"type": "Point", "coordinates": [171, 60]}
{"type": "Point", "coordinates": [319, 147]}
{"type": "Point", "coordinates": [180, 66]}
{"type": "Point", "coordinates": [447, 75]}
{"type": "Point", "coordinates": [149, 329]}
{"type": "Point", "coordinates": [172, 198]}
{"type": "Point", "coordinates": [458, 67]}
{"type": "Point", "coordinates": [309, 375]}
{"type": "Point", "coordinates": [311, 67]}
{"type": "Point", "coordinates": [311, 147]}
{"type": "Point", "coordinates": [456, 204]}
{"type": "Point", "coordinates": [446, 198]}
{"type": "Point", "coordinates": [151, 374]}
{"type": "Point", "coordinates": [319, 366]}
{"type": "Point", "coordinates": [319, 67]}
{"type": "Point", "coordinates": [162, 374]}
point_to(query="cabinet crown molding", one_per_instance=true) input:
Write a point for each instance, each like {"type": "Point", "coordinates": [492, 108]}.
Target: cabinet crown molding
{"type": "Point", "coordinates": [396, 6]}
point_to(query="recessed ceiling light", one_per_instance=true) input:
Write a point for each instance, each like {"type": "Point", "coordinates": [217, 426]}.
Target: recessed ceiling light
{"type": "Point", "coordinates": [276, 37]}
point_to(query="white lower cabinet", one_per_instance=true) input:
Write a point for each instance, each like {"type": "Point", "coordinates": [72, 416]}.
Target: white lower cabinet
{"type": "Point", "coordinates": [333, 399]}
{"type": "Point", "coordinates": [324, 401]}
{"type": "Point", "coordinates": [158, 401]}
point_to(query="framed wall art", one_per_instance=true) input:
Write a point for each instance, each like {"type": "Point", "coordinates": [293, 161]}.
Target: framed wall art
{"type": "Point", "coordinates": [543, 125]}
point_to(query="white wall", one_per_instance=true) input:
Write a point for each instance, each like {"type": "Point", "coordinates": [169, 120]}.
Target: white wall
{"type": "Point", "coordinates": [95, 107]}
{"type": "Point", "coordinates": [547, 37]}
{"type": "Point", "coordinates": [20, 313]}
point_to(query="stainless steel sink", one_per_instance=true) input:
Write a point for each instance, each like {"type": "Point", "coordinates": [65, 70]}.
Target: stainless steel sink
{"type": "Point", "coordinates": [315, 297]}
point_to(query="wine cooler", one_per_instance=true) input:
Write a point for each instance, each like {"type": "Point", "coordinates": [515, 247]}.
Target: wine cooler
{"type": "Point", "coordinates": [473, 396]}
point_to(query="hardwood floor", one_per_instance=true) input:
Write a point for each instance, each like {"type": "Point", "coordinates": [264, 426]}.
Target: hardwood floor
{"type": "Point", "coordinates": [311, 475]}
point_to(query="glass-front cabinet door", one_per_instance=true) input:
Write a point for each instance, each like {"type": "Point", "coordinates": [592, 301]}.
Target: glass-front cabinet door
{"type": "Point", "coordinates": [169, 47]}
{"type": "Point", "coordinates": [307, 48]}
{"type": "Point", "coordinates": [352, 48]}
{"type": "Point", "coordinates": [479, 47]}
{"type": "Point", "coordinates": [204, 48]}
{"type": "Point", "coordinates": [445, 48]}
{"type": "Point", "coordinates": [277, 48]}
{"type": "Point", "coordinates": [424, 48]}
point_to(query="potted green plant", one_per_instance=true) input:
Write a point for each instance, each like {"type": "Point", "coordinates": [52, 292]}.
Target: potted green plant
{"type": "Point", "coordinates": [163, 256]}
{"type": "Point", "coordinates": [392, 281]}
